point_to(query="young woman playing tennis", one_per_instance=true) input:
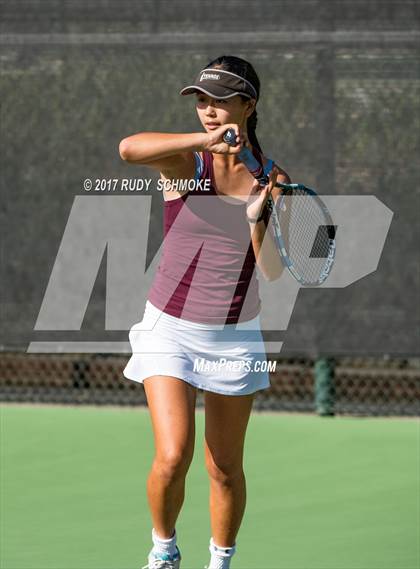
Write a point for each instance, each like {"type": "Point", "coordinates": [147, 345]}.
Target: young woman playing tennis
{"type": "Point", "coordinates": [203, 305]}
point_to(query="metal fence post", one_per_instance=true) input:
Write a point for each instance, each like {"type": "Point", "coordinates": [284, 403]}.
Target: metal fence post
{"type": "Point", "coordinates": [324, 386]}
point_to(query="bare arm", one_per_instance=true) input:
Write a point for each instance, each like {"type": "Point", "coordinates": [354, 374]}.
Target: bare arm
{"type": "Point", "coordinates": [171, 153]}
{"type": "Point", "coordinates": [265, 249]}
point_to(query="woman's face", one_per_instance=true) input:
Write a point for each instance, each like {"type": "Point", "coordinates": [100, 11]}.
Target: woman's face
{"type": "Point", "coordinates": [215, 112]}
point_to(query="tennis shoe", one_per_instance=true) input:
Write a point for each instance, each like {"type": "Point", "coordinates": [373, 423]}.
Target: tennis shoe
{"type": "Point", "coordinates": [164, 561]}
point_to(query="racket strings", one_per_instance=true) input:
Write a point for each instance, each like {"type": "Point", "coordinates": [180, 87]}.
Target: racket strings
{"type": "Point", "coordinates": [305, 232]}
{"type": "Point", "coordinates": [305, 222]}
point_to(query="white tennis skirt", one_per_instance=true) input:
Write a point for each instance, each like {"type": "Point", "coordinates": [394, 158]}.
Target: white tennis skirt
{"type": "Point", "coordinates": [229, 359]}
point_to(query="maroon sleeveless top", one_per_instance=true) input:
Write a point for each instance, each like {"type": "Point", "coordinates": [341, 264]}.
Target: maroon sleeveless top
{"type": "Point", "coordinates": [207, 270]}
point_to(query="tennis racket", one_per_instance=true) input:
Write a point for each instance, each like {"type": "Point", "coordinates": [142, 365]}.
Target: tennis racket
{"type": "Point", "coordinates": [302, 226]}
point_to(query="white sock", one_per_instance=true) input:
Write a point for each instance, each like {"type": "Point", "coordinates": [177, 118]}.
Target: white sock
{"type": "Point", "coordinates": [163, 546]}
{"type": "Point", "coordinates": [220, 556]}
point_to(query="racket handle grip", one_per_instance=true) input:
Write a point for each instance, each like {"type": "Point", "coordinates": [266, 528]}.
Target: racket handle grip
{"type": "Point", "coordinates": [246, 156]}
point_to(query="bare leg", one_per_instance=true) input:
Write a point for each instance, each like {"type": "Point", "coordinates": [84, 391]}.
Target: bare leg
{"type": "Point", "coordinates": [226, 422]}
{"type": "Point", "coordinates": [171, 403]}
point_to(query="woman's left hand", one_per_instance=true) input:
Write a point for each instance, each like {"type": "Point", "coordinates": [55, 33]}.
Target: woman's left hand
{"type": "Point", "coordinates": [259, 195]}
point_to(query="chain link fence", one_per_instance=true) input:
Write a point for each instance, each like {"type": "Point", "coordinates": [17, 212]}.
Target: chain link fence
{"type": "Point", "coordinates": [340, 83]}
{"type": "Point", "coordinates": [338, 111]}
{"type": "Point", "coordinates": [360, 386]}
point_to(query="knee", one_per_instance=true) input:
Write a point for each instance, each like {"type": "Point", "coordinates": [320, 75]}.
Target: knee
{"type": "Point", "coordinates": [172, 465]}
{"type": "Point", "coordinates": [224, 470]}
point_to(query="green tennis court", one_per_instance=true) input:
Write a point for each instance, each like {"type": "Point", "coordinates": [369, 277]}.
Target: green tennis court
{"type": "Point", "coordinates": [323, 493]}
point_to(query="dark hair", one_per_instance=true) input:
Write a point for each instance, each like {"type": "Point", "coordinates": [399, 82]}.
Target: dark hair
{"type": "Point", "coordinates": [244, 69]}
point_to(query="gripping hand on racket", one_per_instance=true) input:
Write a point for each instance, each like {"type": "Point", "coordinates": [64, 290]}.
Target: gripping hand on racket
{"type": "Point", "coordinates": [260, 194]}
{"type": "Point", "coordinates": [216, 144]}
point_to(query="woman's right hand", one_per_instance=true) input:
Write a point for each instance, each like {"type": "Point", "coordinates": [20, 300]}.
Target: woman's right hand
{"type": "Point", "coordinates": [214, 140]}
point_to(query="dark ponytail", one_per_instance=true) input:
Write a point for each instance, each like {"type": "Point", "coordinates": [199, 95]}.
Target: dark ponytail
{"type": "Point", "coordinates": [251, 126]}
{"type": "Point", "coordinates": [244, 69]}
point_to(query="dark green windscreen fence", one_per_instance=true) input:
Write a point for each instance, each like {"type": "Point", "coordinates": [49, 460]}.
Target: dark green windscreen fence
{"type": "Point", "coordinates": [338, 110]}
